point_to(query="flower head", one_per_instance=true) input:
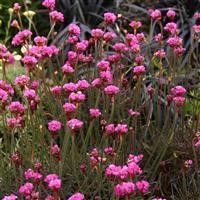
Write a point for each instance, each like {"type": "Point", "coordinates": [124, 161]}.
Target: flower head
{"type": "Point", "coordinates": [54, 126]}
{"type": "Point", "coordinates": [110, 18]}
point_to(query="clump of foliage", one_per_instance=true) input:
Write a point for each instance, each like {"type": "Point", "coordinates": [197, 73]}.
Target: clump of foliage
{"type": "Point", "coordinates": [111, 118]}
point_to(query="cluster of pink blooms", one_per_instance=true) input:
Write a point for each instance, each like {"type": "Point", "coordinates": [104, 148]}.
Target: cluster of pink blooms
{"type": "Point", "coordinates": [10, 197]}
{"type": "Point", "coordinates": [77, 196]}
{"type": "Point", "coordinates": [76, 93]}
{"type": "Point", "coordinates": [54, 14]}
{"type": "Point", "coordinates": [188, 163]}
{"type": "Point", "coordinates": [177, 96]}
{"type": "Point", "coordinates": [119, 129]}
{"type": "Point", "coordinates": [95, 112]}
{"type": "Point", "coordinates": [21, 37]}
{"type": "Point", "coordinates": [75, 124]}
{"type": "Point", "coordinates": [155, 14]}
{"type": "Point", "coordinates": [197, 140]}
{"type": "Point", "coordinates": [50, 4]}
{"type": "Point", "coordinates": [174, 41]}
{"type": "Point", "coordinates": [53, 181]}
{"type": "Point", "coordinates": [29, 189]}
{"type": "Point", "coordinates": [54, 126]}
{"type": "Point", "coordinates": [95, 158]}
{"type": "Point", "coordinates": [125, 173]}
{"type": "Point", "coordinates": [5, 55]}
{"type": "Point", "coordinates": [196, 27]}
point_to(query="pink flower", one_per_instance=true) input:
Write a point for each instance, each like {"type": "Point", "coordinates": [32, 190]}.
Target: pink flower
{"type": "Point", "coordinates": [5, 55]}
{"type": "Point", "coordinates": [10, 197]}
{"type": "Point", "coordinates": [30, 174]}
{"type": "Point", "coordinates": [139, 59]}
{"type": "Point", "coordinates": [75, 124]}
{"type": "Point", "coordinates": [30, 62]}
{"type": "Point", "coordinates": [178, 90]}
{"type": "Point", "coordinates": [109, 36]}
{"type": "Point", "coordinates": [69, 108]}
{"type": "Point", "coordinates": [96, 83]}
{"type": "Point", "coordinates": [134, 169]}
{"type": "Point", "coordinates": [67, 69]}
{"type": "Point", "coordinates": [109, 151]}
{"type": "Point", "coordinates": [135, 24]}
{"type": "Point", "coordinates": [139, 70]}
{"type": "Point", "coordinates": [50, 177]}
{"type": "Point", "coordinates": [142, 186]}
{"type": "Point", "coordinates": [124, 189]}
{"type": "Point", "coordinates": [83, 85]}
{"type": "Point", "coordinates": [158, 37]}
{"type": "Point", "coordinates": [56, 90]}
{"type": "Point", "coordinates": [135, 47]}
{"type": "Point", "coordinates": [113, 171]}
{"type": "Point", "coordinates": [72, 56]}
{"type": "Point", "coordinates": [171, 28]}
{"type": "Point", "coordinates": [196, 28]}
{"type": "Point", "coordinates": [22, 80]}
{"type": "Point", "coordinates": [179, 101]}
{"type": "Point", "coordinates": [115, 58]}
{"type": "Point", "coordinates": [110, 18]}
{"type": "Point", "coordinates": [21, 37]}
{"type": "Point", "coordinates": [174, 41]}
{"type": "Point", "coordinates": [54, 126]}
{"type": "Point", "coordinates": [133, 113]}
{"type": "Point", "coordinates": [29, 94]}
{"type": "Point", "coordinates": [50, 4]}
{"type": "Point", "coordinates": [26, 189]}
{"type": "Point", "coordinates": [56, 16]}
{"type": "Point", "coordinates": [155, 14]}
{"type": "Point", "coordinates": [111, 90]}
{"type": "Point", "coordinates": [140, 37]}
{"type": "Point", "coordinates": [160, 53]}
{"type": "Point", "coordinates": [95, 112]}
{"type": "Point", "coordinates": [188, 163]}
{"type": "Point", "coordinates": [110, 129]}
{"type": "Point", "coordinates": [70, 87]}
{"type": "Point", "coordinates": [16, 7]}
{"type": "Point", "coordinates": [72, 39]}
{"type": "Point", "coordinates": [106, 76]}
{"type": "Point", "coordinates": [14, 122]}
{"type": "Point", "coordinates": [171, 14]}
{"type": "Point", "coordinates": [197, 144]}
{"type": "Point", "coordinates": [49, 197]}
{"type": "Point", "coordinates": [77, 196]}
{"type": "Point", "coordinates": [135, 159]}
{"type": "Point", "coordinates": [197, 15]}
{"type": "Point", "coordinates": [103, 65]}
{"type": "Point", "coordinates": [34, 84]}
{"type": "Point", "coordinates": [40, 40]}
{"type": "Point", "coordinates": [3, 96]}
{"type": "Point", "coordinates": [77, 97]}
{"type": "Point", "coordinates": [16, 108]}
{"type": "Point", "coordinates": [82, 46]}
{"type": "Point", "coordinates": [85, 59]}
{"type": "Point", "coordinates": [74, 29]}
{"type": "Point", "coordinates": [121, 129]}
{"type": "Point", "coordinates": [14, 24]}
{"type": "Point", "coordinates": [97, 33]}
{"type": "Point", "coordinates": [55, 184]}
{"type": "Point", "coordinates": [55, 150]}
{"type": "Point", "coordinates": [120, 47]}
{"type": "Point", "coordinates": [179, 51]}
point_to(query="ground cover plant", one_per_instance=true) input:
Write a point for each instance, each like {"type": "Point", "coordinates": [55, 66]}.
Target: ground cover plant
{"type": "Point", "coordinates": [107, 117]}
